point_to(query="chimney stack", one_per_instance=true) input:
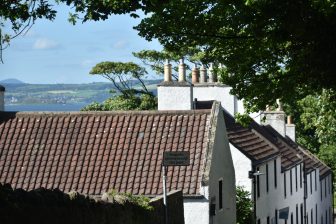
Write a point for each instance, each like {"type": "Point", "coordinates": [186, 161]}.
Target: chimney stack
{"type": "Point", "coordinates": [203, 74]}
{"type": "Point", "coordinates": [290, 128]}
{"type": "Point", "coordinates": [195, 75]}
{"type": "Point", "coordinates": [182, 71]}
{"type": "Point", "coordinates": [276, 119]}
{"type": "Point", "coordinates": [167, 72]}
{"type": "Point", "coordinates": [2, 98]}
{"type": "Point", "coordinates": [211, 74]}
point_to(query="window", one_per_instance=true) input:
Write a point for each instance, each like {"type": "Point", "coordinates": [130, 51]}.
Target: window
{"type": "Point", "coordinates": [296, 180]}
{"type": "Point", "coordinates": [316, 213]}
{"type": "Point", "coordinates": [301, 175]}
{"type": "Point", "coordinates": [268, 220]}
{"type": "Point", "coordinates": [276, 216]}
{"type": "Point", "coordinates": [292, 220]}
{"type": "Point", "coordinates": [266, 177]}
{"type": "Point", "coordinates": [311, 216]}
{"type": "Point", "coordinates": [258, 221]}
{"type": "Point", "coordinates": [220, 193]}
{"type": "Point", "coordinates": [329, 183]}
{"type": "Point", "coordinates": [301, 213]}
{"type": "Point", "coordinates": [285, 184]}
{"type": "Point", "coordinates": [258, 184]}
{"type": "Point", "coordinates": [311, 182]}
{"type": "Point", "coordinates": [321, 189]}
{"type": "Point", "coordinates": [325, 187]}
{"type": "Point", "coordinates": [315, 181]}
{"type": "Point", "coordinates": [291, 182]}
{"type": "Point", "coordinates": [275, 174]}
{"type": "Point", "coordinates": [297, 214]}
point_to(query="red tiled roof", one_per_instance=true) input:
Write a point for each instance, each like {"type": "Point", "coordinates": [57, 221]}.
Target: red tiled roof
{"type": "Point", "coordinates": [93, 152]}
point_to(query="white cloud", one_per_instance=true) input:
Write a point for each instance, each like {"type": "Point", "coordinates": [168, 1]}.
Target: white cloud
{"type": "Point", "coordinates": [121, 44]}
{"type": "Point", "coordinates": [45, 44]}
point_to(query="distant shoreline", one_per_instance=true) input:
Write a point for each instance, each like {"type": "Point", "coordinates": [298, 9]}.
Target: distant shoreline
{"type": "Point", "coordinates": [44, 107]}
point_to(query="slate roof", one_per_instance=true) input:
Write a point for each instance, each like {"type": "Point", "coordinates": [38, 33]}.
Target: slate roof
{"type": "Point", "coordinates": [260, 143]}
{"type": "Point", "coordinates": [251, 140]}
{"type": "Point", "coordinates": [92, 152]}
{"type": "Point", "coordinates": [292, 153]}
{"type": "Point", "coordinates": [310, 160]}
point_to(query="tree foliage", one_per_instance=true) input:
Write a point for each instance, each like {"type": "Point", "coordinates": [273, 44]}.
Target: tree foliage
{"type": "Point", "coordinates": [270, 49]}
{"type": "Point", "coordinates": [244, 206]}
{"type": "Point", "coordinates": [21, 15]}
{"type": "Point", "coordinates": [123, 76]}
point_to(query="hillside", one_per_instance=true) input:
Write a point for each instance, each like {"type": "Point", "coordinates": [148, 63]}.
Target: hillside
{"type": "Point", "coordinates": [22, 93]}
{"type": "Point", "coordinates": [11, 81]}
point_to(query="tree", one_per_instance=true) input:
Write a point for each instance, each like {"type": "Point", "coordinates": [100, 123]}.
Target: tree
{"type": "Point", "coordinates": [270, 49]}
{"type": "Point", "coordinates": [21, 15]}
{"type": "Point", "coordinates": [318, 116]}
{"type": "Point", "coordinates": [124, 76]}
{"type": "Point", "coordinates": [244, 206]}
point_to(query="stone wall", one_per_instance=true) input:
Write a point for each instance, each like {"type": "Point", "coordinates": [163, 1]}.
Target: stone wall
{"type": "Point", "coordinates": [175, 208]}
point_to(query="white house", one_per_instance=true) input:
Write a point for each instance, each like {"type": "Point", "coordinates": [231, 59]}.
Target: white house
{"type": "Point", "coordinates": [94, 152]}
{"type": "Point", "coordinates": [288, 184]}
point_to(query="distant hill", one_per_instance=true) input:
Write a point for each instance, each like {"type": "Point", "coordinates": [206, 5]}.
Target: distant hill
{"type": "Point", "coordinates": [11, 81]}
{"type": "Point", "coordinates": [20, 93]}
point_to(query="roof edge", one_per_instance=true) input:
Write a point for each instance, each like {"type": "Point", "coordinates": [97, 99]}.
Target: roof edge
{"type": "Point", "coordinates": [88, 113]}
{"type": "Point", "coordinates": [215, 110]}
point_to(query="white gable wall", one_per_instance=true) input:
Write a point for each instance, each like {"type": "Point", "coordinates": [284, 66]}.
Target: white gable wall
{"type": "Point", "coordinates": [222, 169]}
{"type": "Point", "coordinates": [242, 166]}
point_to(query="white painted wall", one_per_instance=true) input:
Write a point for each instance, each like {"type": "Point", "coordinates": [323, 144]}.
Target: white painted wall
{"type": "Point", "coordinates": [275, 199]}
{"type": "Point", "coordinates": [276, 119]}
{"type": "Point", "coordinates": [175, 97]}
{"type": "Point", "coordinates": [290, 131]}
{"type": "Point", "coordinates": [196, 211]}
{"type": "Point", "coordinates": [325, 204]}
{"type": "Point", "coordinates": [222, 168]}
{"type": "Point", "coordinates": [217, 92]}
{"type": "Point", "coordinates": [242, 166]}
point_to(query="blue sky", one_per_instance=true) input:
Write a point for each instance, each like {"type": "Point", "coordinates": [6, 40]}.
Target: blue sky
{"type": "Point", "coordinates": [58, 52]}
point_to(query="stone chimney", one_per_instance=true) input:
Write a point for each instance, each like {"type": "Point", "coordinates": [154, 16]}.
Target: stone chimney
{"type": "Point", "coordinates": [175, 95]}
{"type": "Point", "coordinates": [203, 74]}
{"type": "Point", "coordinates": [275, 118]}
{"type": "Point", "coordinates": [182, 71]}
{"type": "Point", "coordinates": [212, 78]}
{"type": "Point", "coordinates": [195, 75]}
{"type": "Point", "coordinates": [290, 128]}
{"type": "Point", "coordinates": [167, 72]}
{"type": "Point", "coordinates": [2, 98]}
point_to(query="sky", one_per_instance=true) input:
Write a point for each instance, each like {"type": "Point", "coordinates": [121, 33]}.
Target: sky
{"type": "Point", "coordinates": [58, 52]}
